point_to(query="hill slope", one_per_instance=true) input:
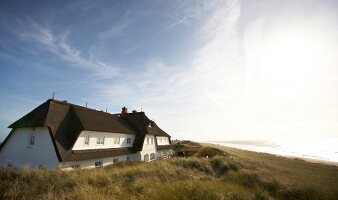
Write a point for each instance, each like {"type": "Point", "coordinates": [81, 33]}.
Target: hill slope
{"type": "Point", "coordinates": [223, 175]}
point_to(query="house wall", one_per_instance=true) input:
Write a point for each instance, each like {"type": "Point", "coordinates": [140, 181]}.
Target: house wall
{"type": "Point", "coordinates": [104, 161]}
{"type": "Point", "coordinates": [162, 140]}
{"type": "Point", "coordinates": [108, 141]}
{"type": "Point", "coordinates": [18, 152]}
{"type": "Point", "coordinates": [148, 147]}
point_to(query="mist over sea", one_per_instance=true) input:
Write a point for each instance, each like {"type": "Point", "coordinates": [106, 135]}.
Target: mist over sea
{"type": "Point", "coordinates": [316, 149]}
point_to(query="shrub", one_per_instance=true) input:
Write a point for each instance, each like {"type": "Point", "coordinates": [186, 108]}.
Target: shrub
{"type": "Point", "coordinates": [219, 166]}
{"type": "Point", "coordinates": [209, 152]}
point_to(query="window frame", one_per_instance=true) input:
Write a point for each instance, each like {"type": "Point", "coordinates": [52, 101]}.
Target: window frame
{"type": "Point", "coordinates": [86, 140]}
{"type": "Point", "coordinates": [100, 140]}
{"type": "Point", "coordinates": [98, 164]}
{"type": "Point", "coordinates": [146, 157]}
{"type": "Point", "coordinates": [76, 166]}
{"type": "Point", "coordinates": [128, 140]}
{"type": "Point", "coordinates": [116, 140]}
{"type": "Point", "coordinates": [30, 137]}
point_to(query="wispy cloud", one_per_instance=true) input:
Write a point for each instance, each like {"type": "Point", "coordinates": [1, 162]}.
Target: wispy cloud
{"type": "Point", "coordinates": [58, 45]}
{"type": "Point", "coordinates": [194, 91]}
{"type": "Point", "coordinates": [219, 88]}
{"type": "Point", "coordinates": [115, 30]}
{"type": "Point", "coordinates": [188, 11]}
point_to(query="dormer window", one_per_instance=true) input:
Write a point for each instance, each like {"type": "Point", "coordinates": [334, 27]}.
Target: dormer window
{"type": "Point", "coordinates": [86, 140]}
{"type": "Point", "coordinates": [31, 140]}
{"type": "Point", "coordinates": [100, 140]}
{"type": "Point", "coordinates": [98, 164]}
{"type": "Point", "coordinates": [117, 140]}
{"type": "Point", "coordinates": [149, 125]}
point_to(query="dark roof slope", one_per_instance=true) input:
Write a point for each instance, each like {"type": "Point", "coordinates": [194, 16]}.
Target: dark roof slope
{"type": "Point", "coordinates": [159, 131]}
{"type": "Point", "coordinates": [144, 125]}
{"type": "Point", "coordinates": [100, 121]}
{"type": "Point", "coordinates": [35, 118]}
{"type": "Point", "coordinates": [65, 122]}
{"type": "Point", "coordinates": [139, 121]}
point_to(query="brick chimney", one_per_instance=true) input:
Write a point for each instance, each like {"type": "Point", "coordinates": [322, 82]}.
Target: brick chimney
{"type": "Point", "coordinates": [124, 111]}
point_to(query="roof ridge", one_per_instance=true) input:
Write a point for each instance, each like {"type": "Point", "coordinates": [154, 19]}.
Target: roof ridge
{"type": "Point", "coordinates": [80, 106]}
{"type": "Point", "coordinates": [114, 114]}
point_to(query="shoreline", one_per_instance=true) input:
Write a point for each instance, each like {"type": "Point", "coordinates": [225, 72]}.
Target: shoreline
{"type": "Point", "coordinates": [307, 159]}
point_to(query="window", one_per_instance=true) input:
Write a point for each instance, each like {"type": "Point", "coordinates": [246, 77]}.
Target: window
{"type": "Point", "coordinates": [31, 140]}
{"type": "Point", "coordinates": [152, 140]}
{"type": "Point", "coordinates": [115, 160]}
{"type": "Point", "coordinates": [152, 156]}
{"type": "Point", "coordinates": [98, 164]}
{"type": "Point", "coordinates": [128, 158]}
{"type": "Point", "coordinates": [86, 141]}
{"type": "Point", "coordinates": [75, 166]}
{"type": "Point", "coordinates": [116, 140]}
{"type": "Point", "coordinates": [147, 140]}
{"type": "Point", "coordinates": [100, 140]}
{"type": "Point", "coordinates": [128, 140]}
{"type": "Point", "coordinates": [146, 157]}
{"type": "Point", "coordinates": [160, 140]}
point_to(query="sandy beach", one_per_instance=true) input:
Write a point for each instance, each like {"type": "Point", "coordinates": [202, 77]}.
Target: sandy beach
{"type": "Point", "coordinates": [239, 151]}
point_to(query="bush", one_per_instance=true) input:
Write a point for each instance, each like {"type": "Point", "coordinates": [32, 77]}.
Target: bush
{"type": "Point", "coordinates": [189, 148]}
{"type": "Point", "coordinates": [210, 152]}
{"type": "Point", "coordinates": [219, 166]}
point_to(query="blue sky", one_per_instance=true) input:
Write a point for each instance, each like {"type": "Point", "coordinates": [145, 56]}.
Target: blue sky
{"type": "Point", "coordinates": [204, 70]}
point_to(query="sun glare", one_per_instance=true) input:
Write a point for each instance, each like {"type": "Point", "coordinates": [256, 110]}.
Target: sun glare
{"type": "Point", "coordinates": [292, 58]}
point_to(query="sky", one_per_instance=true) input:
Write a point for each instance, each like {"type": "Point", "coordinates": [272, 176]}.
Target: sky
{"type": "Point", "coordinates": [203, 70]}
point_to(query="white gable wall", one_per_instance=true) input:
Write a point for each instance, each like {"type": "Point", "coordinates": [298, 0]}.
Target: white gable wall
{"type": "Point", "coordinates": [18, 152]}
{"type": "Point", "coordinates": [108, 140]}
{"type": "Point", "coordinates": [148, 147]}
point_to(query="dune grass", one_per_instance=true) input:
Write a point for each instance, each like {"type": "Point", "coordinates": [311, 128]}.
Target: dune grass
{"type": "Point", "coordinates": [290, 172]}
{"type": "Point", "coordinates": [220, 176]}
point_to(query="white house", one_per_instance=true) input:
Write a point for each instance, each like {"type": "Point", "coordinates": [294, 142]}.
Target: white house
{"type": "Point", "coordinates": [58, 134]}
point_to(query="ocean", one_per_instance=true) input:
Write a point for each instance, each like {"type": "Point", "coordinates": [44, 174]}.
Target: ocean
{"type": "Point", "coordinates": [313, 149]}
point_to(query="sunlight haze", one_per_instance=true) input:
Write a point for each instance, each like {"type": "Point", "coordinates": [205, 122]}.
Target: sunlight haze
{"type": "Point", "coordinates": [203, 70]}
